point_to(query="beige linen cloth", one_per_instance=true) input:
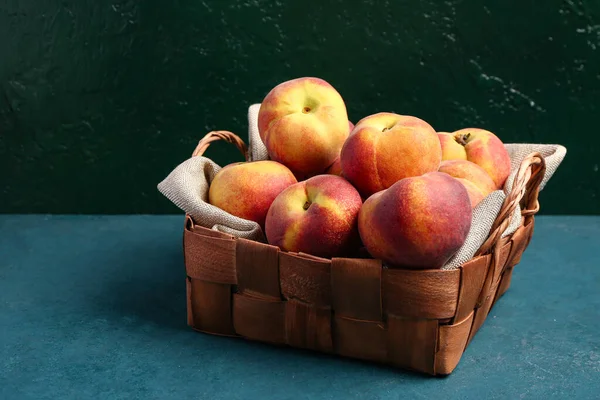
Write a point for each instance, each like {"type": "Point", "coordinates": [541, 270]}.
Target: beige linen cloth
{"type": "Point", "coordinates": [187, 187]}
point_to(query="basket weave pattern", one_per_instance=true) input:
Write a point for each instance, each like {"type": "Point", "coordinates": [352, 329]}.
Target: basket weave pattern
{"type": "Point", "coordinates": [415, 319]}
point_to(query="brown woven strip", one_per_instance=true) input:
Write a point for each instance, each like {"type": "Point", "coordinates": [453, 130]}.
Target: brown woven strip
{"type": "Point", "coordinates": [420, 294]}
{"type": "Point", "coordinates": [412, 343]}
{"type": "Point", "coordinates": [498, 260]}
{"type": "Point", "coordinates": [257, 269]}
{"type": "Point", "coordinates": [497, 266]}
{"type": "Point", "coordinates": [501, 255]}
{"type": "Point", "coordinates": [451, 345]}
{"type": "Point", "coordinates": [473, 275]}
{"type": "Point", "coordinates": [211, 307]}
{"type": "Point", "coordinates": [259, 319]}
{"type": "Point", "coordinates": [210, 232]}
{"type": "Point", "coordinates": [519, 240]}
{"type": "Point", "coordinates": [504, 282]}
{"type": "Point", "coordinates": [530, 234]}
{"type": "Point", "coordinates": [308, 327]}
{"type": "Point", "coordinates": [209, 258]}
{"type": "Point", "coordinates": [307, 279]}
{"type": "Point", "coordinates": [365, 340]}
{"type": "Point", "coordinates": [356, 288]}
{"type": "Point", "coordinates": [481, 314]}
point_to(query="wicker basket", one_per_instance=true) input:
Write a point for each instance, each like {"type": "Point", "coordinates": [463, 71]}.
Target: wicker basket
{"type": "Point", "coordinates": [414, 319]}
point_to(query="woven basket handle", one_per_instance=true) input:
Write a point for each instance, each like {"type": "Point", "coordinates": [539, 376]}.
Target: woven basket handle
{"type": "Point", "coordinates": [227, 136]}
{"type": "Point", "coordinates": [525, 191]}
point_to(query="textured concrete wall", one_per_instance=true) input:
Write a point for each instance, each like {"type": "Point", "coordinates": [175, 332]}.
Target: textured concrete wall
{"type": "Point", "coordinates": [99, 100]}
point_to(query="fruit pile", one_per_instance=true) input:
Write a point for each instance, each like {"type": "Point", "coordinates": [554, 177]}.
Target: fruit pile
{"type": "Point", "coordinates": [390, 185]}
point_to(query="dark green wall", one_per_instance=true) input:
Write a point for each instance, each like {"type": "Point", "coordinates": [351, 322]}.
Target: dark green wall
{"type": "Point", "coordinates": [100, 100]}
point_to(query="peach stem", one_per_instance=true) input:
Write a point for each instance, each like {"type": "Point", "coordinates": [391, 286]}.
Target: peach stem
{"type": "Point", "coordinates": [462, 139]}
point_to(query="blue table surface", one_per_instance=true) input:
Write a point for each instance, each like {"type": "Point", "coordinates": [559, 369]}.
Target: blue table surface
{"type": "Point", "coordinates": [94, 307]}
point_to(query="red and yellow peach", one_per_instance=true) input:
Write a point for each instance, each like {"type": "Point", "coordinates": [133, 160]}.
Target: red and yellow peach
{"type": "Point", "coordinates": [479, 146]}
{"type": "Point", "coordinates": [303, 123]}
{"type": "Point", "coordinates": [418, 222]}
{"type": "Point", "coordinates": [385, 147]}
{"type": "Point", "coordinates": [477, 182]}
{"type": "Point", "coordinates": [234, 188]}
{"type": "Point", "coordinates": [317, 216]}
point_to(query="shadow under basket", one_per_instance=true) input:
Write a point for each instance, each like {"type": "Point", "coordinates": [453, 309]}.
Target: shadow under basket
{"type": "Point", "coordinates": [421, 320]}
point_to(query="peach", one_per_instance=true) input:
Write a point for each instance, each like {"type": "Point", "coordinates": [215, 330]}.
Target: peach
{"type": "Point", "coordinates": [481, 147]}
{"type": "Point", "coordinates": [247, 189]}
{"type": "Point", "coordinates": [418, 222]}
{"type": "Point", "coordinates": [477, 182]}
{"type": "Point", "coordinates": [475, 194]}
{"type": "Point", "coordinates": [303, 123]}
{"type": "Point", "coordinates": [385, 147]}
{"type": "Point", "coordinates": [336, 167]}
{"type": "Point", "coordinates": [451, 150]}
{"type": "Point", "coordinates": [317, 216]}
{"type": "Point", "coordinates": [350, 126]}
